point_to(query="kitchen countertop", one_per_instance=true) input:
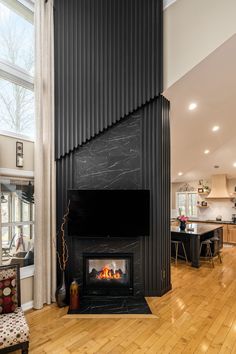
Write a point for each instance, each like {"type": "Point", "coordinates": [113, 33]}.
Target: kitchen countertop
{"type": "Point", "coordinates": [198, 229]}
{"type": "Point", "coordinates": [214, 221]}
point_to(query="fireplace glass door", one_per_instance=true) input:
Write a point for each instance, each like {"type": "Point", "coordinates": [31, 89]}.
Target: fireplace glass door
{"type": "Point", "coordinates": [108, 274]}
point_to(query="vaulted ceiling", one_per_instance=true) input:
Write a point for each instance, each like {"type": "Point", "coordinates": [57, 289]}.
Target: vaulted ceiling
{"type": "Point", "coordinates": [212, 86]}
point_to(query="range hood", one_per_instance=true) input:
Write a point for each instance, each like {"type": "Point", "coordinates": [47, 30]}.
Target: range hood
{"type": "Point", "coordinates": [218, 187]}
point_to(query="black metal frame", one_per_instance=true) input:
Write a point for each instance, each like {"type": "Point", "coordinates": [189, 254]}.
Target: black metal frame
{"type": "Point", "coordinates": [112, 290]}
{"type": "Point", "coordinates": [25, 345]}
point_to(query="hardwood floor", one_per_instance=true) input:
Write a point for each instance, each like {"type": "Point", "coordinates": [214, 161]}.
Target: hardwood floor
{"type": "Point", "coordinates": [197, 316]}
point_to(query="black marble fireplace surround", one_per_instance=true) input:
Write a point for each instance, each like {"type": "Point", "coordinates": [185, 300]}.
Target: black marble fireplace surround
{"type": "Point", "coordinates": [114, 160]}
{"type": "Point", "coordinates": [117, 246]}
{"type": "Point", "coordinates": [125, 157]}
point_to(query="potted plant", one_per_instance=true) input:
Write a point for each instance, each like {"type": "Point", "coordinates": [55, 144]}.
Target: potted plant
{"type": "Point", "coordinates": [182, 221]}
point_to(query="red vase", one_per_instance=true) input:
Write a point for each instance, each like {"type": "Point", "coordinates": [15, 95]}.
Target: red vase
{"type": "Point", "coordinates": [74, 296]}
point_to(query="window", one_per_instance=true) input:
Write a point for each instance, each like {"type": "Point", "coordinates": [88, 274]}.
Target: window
{"type": "Point", "coordinates": [16, 68]}
{"type": "Point", "coordinates": [186, 203]}
{"type": "Point", "coordinates": [17, 221]}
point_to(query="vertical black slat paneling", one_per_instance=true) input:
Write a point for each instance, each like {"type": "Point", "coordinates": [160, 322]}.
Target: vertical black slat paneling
{"type": "Point", "coordinates": [144, 50]}
{"type": "Point", "coordinates": [64, 182]}
{"type": "Point", "coordinates": [156, 177]}
{"type": "Point", "coordinates": [101, 68]}
{"type": "Point", "coordinates": [66, 118]}
{"type": "Point", "coordinates": [71, 83]}
{"type": "Point", "coordinates": [79, 71]}
{"type": "Point", "coordinates": [105, 68]}
{"type": "Point", "coordinates": [126, 54]}
{"type": "Point", "coordinates": [135, 59]}
{"type": "Point", "coordinates": [92, 68]}
{"type": "Point", "coordinates": [113, 60]}
{"type": "Point", "coordinates": [96, 68]}
{"type": "Point", "coordinates": [125, 31]}
{"type": "Point", "coordinates": [88, 50]}
{"type": "Point", "coordinates": [167, 181]}
{"type": "Point", "coordinates": [84, 67]}
{"type": "Point", "coordinates": [122, 55]}
{"type": "Point", "coordinates": [75, 81]}
{"type": "Point", "coordinates": [118, 60]}
{"type": "Point", "coordinates": [61, 115]}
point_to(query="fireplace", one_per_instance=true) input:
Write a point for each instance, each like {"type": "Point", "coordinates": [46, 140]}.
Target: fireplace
{"type": "Point", "coordinates": [108, 274]}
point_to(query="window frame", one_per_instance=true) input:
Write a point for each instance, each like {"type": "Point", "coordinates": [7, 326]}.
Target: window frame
{"type": "Point", "coordinates": [14, 73]}
{"type": "Point", "coordinates": [28, 271]}
{"type": "Point", "coordinates": [187, 204]}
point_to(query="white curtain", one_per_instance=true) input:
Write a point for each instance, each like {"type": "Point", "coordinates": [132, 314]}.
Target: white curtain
{"type": "Point", "coordinates": [45, 177]}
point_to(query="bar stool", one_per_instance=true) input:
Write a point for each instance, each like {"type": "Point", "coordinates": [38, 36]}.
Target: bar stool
{"type": "Point", "coordinates": [176, 244]}
{"type": "Point", "coordinates": [217, 251]}
{"type": "Point", "coordinates": [208, 253]}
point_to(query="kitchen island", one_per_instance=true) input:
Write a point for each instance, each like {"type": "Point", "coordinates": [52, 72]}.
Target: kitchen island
{"type": "Point", "coordinates": [192, 237]}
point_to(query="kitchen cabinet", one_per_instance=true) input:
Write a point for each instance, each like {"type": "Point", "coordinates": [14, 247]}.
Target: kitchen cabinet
{"type": "Point", "coordinates": [225, 233]}
{"type": "Point", "coordinates": [231, 234]}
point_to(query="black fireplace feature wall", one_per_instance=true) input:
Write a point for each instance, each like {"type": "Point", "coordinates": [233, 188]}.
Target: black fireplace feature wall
{"type": "Point", "coordinates": [112, 124]}
{"type": "Point", "coordinates": [108, 274]}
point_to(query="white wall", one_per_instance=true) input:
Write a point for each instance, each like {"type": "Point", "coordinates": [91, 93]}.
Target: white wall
{"type": "Point", "coordinates": [216, 207]}
{"type": "Point", "coordinates": [8, 154]}
{"type": "Point", "coordinates": [192, 30]}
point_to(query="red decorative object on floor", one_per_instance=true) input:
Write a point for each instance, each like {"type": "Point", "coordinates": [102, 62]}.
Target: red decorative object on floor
{"type": "Point", "coordinates": [74, 296]}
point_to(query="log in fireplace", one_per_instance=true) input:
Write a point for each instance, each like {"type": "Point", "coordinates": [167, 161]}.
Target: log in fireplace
{"type": "Point", "coordinates": [108, 274]}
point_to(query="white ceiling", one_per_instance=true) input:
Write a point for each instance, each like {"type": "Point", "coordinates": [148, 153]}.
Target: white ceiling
{"type": "Point", "coordinates": [212, 85]}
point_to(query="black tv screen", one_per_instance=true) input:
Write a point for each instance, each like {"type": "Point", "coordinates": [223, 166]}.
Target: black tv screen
{"type": "Point", "coordinates": [103, 213]}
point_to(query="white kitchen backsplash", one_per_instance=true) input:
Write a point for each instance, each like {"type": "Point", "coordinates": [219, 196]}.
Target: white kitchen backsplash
{"type": "Point", "coordinates": [215, 208]}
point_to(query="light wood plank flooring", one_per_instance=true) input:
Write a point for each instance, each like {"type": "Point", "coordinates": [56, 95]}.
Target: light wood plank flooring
{"type": "Point", "coordinates": [197, 316]}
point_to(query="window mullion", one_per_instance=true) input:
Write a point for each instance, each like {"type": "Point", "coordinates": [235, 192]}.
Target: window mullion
{"type": "Point", "coordinates": [16, 75]}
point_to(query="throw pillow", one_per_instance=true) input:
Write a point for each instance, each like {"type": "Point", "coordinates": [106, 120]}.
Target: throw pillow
{"type": "Point", "coordinates": [8, 295]}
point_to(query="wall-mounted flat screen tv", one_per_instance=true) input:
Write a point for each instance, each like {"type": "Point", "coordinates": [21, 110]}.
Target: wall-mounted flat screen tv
{"type": "Point", "coordinates": [109, 213]}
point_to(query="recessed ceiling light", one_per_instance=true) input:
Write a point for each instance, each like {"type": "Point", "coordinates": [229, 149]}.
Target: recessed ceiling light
{"type": "Point", "coordinates": [180, 173]}
{"type": "Point", "coordinates": [215, 128]}
{"type": "Point", "coordinates": [206, 151]}
{"type": "Point", "coordinates": [234, 164]}
{"type": "Point", "coordinates": [192, 106]}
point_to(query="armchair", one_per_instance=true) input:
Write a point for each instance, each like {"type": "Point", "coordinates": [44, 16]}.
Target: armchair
{"type": "Point", "coordinates": [14, 331]}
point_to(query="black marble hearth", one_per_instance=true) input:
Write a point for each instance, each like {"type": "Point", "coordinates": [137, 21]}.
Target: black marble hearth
{"type": "Point", "coordinates": [113, 305]}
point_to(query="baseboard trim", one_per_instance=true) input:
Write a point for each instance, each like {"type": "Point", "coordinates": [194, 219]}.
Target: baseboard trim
{"type": "Point", "coordinates": [27, 306]}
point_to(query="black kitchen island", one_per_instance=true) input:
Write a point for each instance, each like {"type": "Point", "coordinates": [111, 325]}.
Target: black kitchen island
{"type": "Point", "coordinates": [192, 237]}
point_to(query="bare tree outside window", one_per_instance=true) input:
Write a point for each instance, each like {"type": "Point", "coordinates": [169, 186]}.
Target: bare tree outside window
{"type": "Point", "coordinates": [16, 48]}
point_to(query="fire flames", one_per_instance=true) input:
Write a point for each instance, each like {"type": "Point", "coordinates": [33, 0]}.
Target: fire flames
{"type": "Point", "coordinates": [108, 273]}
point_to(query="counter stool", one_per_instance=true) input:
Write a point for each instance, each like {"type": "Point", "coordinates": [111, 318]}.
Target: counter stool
{"type": "Point", "coordinates": [208, 253]}
{"type": "Point", "coordinates": [217, 251]}
{"type": "Point", "coordinates": [176, 244]}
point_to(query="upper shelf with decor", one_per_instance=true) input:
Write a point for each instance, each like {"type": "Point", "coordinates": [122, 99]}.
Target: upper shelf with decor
{"type": "Point", "coordinates": [203, 188]}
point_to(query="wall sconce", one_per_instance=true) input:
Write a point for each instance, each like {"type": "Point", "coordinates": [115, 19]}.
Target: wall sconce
{"type": "Point", "coordinates": [19, 154]}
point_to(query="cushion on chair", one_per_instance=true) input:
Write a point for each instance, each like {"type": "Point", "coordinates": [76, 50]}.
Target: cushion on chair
{"type": "Point", "coordinates": [8, 291]}
{"type": "Point", "coordinates": [13, 329]}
